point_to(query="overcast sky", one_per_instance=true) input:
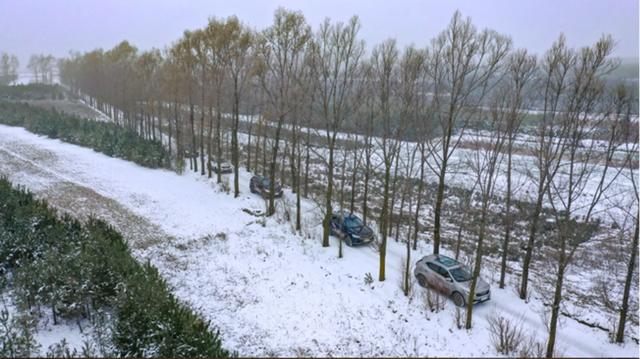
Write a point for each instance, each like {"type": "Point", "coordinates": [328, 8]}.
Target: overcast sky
{"type": "Point", "coordinates": [56, 26]}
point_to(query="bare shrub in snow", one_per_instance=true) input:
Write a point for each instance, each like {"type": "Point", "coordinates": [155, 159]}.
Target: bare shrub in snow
{"type": "Point", "coordinates": [405, 277]}
{"type": "Point", "coordinates": [531, 348]}
{"type": "Point", "coordinates": [224, 185]}
{"type": "Point", "coordinates": [612, 321]}
{"type": "Point", "coordinates": [368, 279]}
{"type": "Point", "coordinates": [506, 335]}
{"type": "Point", "coordinates": [458, 316]}
{"type": "Point", "coordinates": [302, 352]}
{"type": "Point", "coordinates": [376, 245]}
{"type": "Point", "coordinates": [221, 236]}
{"type": "Point", "coordinates": [61, 349]}
{"type": "Point", "coordinates": [407, 344]}
{"type": "Point", "coordinates": [261, 251]}
{"type": "Point", "coordinates": [433, 301]}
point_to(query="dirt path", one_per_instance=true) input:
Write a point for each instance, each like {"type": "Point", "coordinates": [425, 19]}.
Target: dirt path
{"type": "Point", "coordinates": [20, 162]}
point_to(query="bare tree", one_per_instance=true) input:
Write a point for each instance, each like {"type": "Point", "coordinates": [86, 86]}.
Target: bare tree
{"type": "Point", "coordinates": [628, 137]}
{"type": "Point", "coordinates": [281, 47]}
{"type": "Point", "coordinates": [566, 190]}
{"type": "Point", "coordinates": [484, 163]}
{"type": "Point", "coordinates": [336, 56]}
{"type": "Point", "coordinates": [384, 60]}
{"type": "Point", "coordinates": [240, 66]}
{"type": "Point", "coordinates": [461, 65]}
{"type": "Point", "coordinates": [520, 71]}
{"type": "Point", "coordinates": [555, 67]}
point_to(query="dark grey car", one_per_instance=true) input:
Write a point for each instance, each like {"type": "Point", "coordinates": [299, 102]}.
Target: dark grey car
{"type": "Point", "coordinates": [451, 278]}
{"type": "Point", "coordinates": [261, 185]}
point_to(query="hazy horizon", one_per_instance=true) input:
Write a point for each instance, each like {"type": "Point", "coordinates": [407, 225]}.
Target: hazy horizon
{"type": "Point", "coordinates": [53, 27]}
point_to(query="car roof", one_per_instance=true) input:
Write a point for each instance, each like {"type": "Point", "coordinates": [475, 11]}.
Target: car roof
{"type": "Point", "coordinates": [445, 261]}
{"type": "Point", "coordinates": [347, 214]}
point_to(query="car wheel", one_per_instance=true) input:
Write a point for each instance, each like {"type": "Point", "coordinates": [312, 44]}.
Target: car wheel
{"type": "Point", "coordinates": [252, 189]}
{"type": "Point", "coordinates": [422, 280]}
{"type": "Point", "coordinates": [458, 299]}
{"type": "Point", "coordinates": [348, 240]}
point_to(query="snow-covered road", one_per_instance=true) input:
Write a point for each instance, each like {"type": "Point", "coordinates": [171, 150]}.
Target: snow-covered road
{"type": "Point", "coordinates": [270, 291]}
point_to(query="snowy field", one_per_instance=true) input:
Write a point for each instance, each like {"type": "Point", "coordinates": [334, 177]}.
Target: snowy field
{"type": "Point", "coordinates": [269, 290]}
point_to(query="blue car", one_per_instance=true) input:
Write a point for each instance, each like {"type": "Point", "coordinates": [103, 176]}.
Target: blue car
{"type": "Point", "coordinates": [350, 228]}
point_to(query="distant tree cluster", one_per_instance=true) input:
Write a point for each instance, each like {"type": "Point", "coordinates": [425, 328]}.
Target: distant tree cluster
{"type": "Point", "coordinates": [83, 270]}
{"type": "Point", "coordinates": [9, 66]}
{"type": "Point", "coordinates": [108, 138]}
{"type": "Point", "coordinates": [295, 91]}
{"type": "Point", "coordinates": [43, 68]}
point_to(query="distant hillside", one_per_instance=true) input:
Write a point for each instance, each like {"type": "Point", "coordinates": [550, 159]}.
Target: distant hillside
{"type": "Point", "coordinates": [627, 71]}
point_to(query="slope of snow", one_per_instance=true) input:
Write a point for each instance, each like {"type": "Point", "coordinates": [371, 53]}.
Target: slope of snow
{"type": "Point", "coordinates": [270, 291]}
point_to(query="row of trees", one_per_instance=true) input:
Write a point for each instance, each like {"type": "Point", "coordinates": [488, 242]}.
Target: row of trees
{"type": "Point", "coordinates": [42, 67]}
{"type": "Point", "coordinates": [295, 87]}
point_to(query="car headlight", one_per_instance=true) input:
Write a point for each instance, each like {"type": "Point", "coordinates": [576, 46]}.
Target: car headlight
{"type": "Point", "coordinates": [355, 236]}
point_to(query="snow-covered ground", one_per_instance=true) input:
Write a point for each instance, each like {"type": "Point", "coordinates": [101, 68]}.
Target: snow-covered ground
{"type": "Point", "coordinates": [269, 290]}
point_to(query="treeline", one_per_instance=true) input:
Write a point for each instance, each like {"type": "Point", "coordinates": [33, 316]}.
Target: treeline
{"type": "Point", "coordinates": [82, 270]}
{"type": "Point", "coordinates": [105, 137]}
{"type": "Point", "coordinates": [288, 77]}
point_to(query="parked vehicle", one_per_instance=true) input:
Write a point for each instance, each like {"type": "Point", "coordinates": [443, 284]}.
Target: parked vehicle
{"type": "Point", "coordinates": [261, 186]}
{"type": "Point", "coordinates": [451, 278]}
{"type": "Point", "coordinates": [351, 229]}
{"type": "Point", "coordinates": [225, 166]}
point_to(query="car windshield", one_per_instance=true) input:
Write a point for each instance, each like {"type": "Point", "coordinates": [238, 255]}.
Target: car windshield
{"type": "Point", "coordinates": [265, 182]}
{"type": "Point", "coordinates": [460, 274]}
{"type": "Point", "coordinates": [353, 222]}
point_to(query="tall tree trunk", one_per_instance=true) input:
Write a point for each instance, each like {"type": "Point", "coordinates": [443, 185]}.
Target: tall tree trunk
{"type": "Point", "coordinates": [393, 198]}
{"type": "Point", "coordinates": [407, 264]}
{"type": "Point", "coordinates": [354, 184]}
{"type": "Point", "coordinates": [264, 152]}
{"type": "Point", "coordinates": [532, 235]}
{"type": "Point", "coordinates": [438, 207]}
{"type": "Point", "coordinates": [235, 155]}
{"type": "Point", "coordinates": [248, 165]}
{"type": "Point", "coordinates": [557, 298]}
{"type": "Point", "coordinates": [627, 287]}
{"type": "Point", "coordinates": [210, 143]}
{"type": "Point", "coordinates": [306, 166]}
{"type": "Point", "coordinates": [384, 221]}
{"type": "Point", "coordinates": [419, 199]}
{"type": "Point", "coordinates": [202, 168]}
{"type": "Point", "coordinates": [402, 199]}
{"type": "Point", "coordinates": [192, 150]}
{"type": "Point", "coordinates": [508, 220]}
{"type": "Point", "coordinates": [272, 174]}
{"type": "Point", "coordinates": [218, 139]}
{"type": "Point", "coordinates": [477, 265]}
{"type": "Point", "coordinates": [343, 178]}
{"type": "Point", "coordinates": [367, 175]}
{"type": "Point", "coordinates": [298, 204]}
{"type": "Point", "coordinates": [328, 204]}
